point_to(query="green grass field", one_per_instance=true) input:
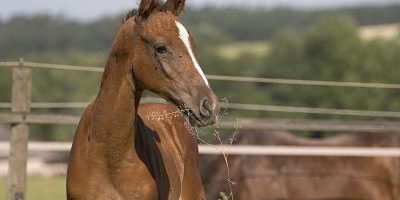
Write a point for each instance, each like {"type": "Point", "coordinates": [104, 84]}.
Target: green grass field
{"type": "Point", "coordinates": [39, 188]}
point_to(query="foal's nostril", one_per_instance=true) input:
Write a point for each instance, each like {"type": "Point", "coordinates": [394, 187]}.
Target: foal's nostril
{"type": "Point", "coordinates": [205, 108]}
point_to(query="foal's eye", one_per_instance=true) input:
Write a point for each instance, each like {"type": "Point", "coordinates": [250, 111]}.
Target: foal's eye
{"type": "Point", "coordinates": [161, 49]}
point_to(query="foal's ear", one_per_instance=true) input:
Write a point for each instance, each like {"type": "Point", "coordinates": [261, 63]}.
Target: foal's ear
{"type": "Point", "coordinates": [145, 9]}
{"type": "Point", "coordinates": [175, 6]}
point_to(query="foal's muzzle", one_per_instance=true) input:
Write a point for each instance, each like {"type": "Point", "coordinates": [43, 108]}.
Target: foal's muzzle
{"type": "Point", "coordinates": [209, 110]}
{"type": "Point", "coordinates": [203, 108]}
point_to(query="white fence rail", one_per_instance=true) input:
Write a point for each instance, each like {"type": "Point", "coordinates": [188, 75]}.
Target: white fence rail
{"type": "Point", "coordinates": [246, 150]}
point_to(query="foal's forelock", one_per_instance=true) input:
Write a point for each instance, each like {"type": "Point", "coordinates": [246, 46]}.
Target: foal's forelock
{"type": "Point", "coordinates": [185, 37]}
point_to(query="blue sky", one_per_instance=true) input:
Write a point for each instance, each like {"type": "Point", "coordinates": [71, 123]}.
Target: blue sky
{"type": "Point", "coordinates": [92, 9]}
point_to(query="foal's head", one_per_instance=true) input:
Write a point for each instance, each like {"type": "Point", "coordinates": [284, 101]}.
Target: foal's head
{"type": "Point", "coordinates": [163, 59]}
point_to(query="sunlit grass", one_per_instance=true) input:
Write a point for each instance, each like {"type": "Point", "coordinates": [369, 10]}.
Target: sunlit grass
{"type": "Point", "coordinates": [40, 188]}
{"type": "Point", "coordinates": [235, 49]}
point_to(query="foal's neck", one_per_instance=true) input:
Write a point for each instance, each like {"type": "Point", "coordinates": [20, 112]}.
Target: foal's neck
{"type": "Point", "coordinates": [115, 109]}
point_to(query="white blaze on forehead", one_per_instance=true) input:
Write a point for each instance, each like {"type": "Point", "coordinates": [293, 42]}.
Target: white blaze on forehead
{"type": "Point", "coordinates": [184, 36]}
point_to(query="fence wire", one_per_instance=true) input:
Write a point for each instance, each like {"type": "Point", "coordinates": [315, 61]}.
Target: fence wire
{"type": "Point", "coordinates": [236, 106]}
{"type": "Point", "coordinates": [223, 78]}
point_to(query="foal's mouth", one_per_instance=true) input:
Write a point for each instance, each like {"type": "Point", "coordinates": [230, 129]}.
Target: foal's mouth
{"type": "Point", "coordinates": [196, 118]}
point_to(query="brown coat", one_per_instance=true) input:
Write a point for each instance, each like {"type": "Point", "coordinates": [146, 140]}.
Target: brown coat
{"type": "Point", "coordinates": [162, 165]}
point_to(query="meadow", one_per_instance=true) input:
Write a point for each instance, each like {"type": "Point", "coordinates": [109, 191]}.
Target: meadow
{"type": "Point", "coordinates": [40, 188]}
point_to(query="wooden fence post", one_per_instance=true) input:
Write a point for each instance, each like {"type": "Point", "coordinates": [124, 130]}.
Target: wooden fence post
{"type": "Point", "coordinates": [21, 101]}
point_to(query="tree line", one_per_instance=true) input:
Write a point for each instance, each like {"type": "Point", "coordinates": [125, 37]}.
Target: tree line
{"type": "Point", "coordinates": [24, 35]}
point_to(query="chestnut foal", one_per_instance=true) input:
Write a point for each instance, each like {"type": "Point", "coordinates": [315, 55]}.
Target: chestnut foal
{"type": "Point", "coordinates": [118, 155]}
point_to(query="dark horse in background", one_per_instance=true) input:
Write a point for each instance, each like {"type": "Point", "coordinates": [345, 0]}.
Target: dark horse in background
{"type": "Point", "coordinates": [306, 177]}
{"type": "Point", "coordinates": [121, 153]}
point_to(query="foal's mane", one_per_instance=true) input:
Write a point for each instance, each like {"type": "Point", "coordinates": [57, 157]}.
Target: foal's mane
{"type": "Point", "coordinates": [129, 15]}
{"type": "Point", "coordinates": [146, 9]}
